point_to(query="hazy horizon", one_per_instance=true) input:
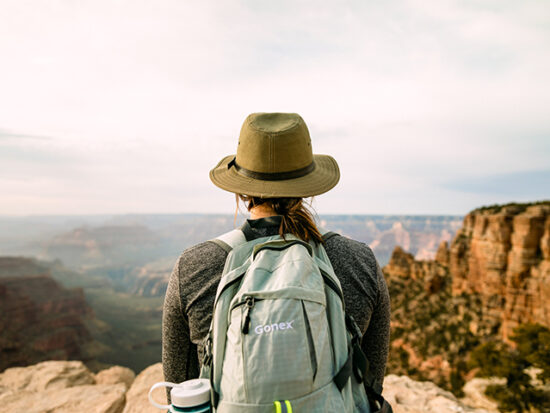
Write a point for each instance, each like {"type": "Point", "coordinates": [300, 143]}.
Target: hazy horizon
{"type": "Point", "coordinates": [240, 216]}
{"type": "Point", "coordinates": [243, 214]}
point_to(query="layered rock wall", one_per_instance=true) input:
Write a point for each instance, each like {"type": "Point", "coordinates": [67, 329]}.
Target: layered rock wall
{"type": "Point", "coordinates": [503, 254]}
{"type": "Point", "coordinates": [495, 276]}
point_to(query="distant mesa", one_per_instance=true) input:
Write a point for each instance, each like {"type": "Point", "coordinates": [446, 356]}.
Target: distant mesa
{"type": "Point", "coordinates": [87, 246]}
{"type": "Point", "coordinates": [150, 280]}
{"type": "Point", "coordinates": [419, 235]}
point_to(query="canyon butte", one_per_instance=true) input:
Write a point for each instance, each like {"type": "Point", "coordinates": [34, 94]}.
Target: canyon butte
{"type": "Point", "coordinates": [494, 277]}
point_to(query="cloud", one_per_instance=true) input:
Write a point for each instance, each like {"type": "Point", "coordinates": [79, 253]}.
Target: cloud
{"type": "Point", "coordinates": [143, 98]}
{"type": "Point", "coordinates": [6, 135]}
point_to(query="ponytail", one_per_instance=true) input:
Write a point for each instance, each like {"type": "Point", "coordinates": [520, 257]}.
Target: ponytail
{"type": "Point", "coordinates": [297, 219]}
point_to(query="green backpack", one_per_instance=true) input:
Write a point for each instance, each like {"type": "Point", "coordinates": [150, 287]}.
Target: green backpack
{"type": "Point", "coordinates": [278, 341]}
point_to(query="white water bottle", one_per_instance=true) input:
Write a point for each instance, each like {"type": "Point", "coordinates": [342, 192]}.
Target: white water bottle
{"type": "Point", "coordinates": [191, 396]}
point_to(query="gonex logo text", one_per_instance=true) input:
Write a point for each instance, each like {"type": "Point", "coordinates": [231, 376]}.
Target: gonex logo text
{"type": "Point", "coordinates": [268, 328]}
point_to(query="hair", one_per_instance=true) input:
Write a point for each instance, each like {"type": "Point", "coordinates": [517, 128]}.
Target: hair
{"type": "Point", "coordinates": [297, 219]}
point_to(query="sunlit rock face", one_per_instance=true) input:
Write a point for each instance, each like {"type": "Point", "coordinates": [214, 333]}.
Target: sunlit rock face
{"type": "Point", "coordinates": [494, 276]}
{"type": "Point", "coordinates": [63, 386]}
{"type": "Point", "coordinates": [409, 396]}
{"type": "Point", "coordinates": [503, 254]}
{"type": "Point", "coordinates": [500, 253]}
{"type": "Point", "coordinates": [69, 386]}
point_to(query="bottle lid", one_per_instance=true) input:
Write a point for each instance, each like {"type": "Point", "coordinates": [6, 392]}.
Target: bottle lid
{"type": "Point", "coordinates": [191, 393]}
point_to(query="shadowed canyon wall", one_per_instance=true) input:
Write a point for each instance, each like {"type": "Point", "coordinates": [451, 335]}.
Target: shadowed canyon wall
{"type": "Point", "coordinates": [39, 319]}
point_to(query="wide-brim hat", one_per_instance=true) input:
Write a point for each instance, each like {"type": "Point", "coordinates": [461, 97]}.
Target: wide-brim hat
{"type": "Point", "coordinates": [275, 160]}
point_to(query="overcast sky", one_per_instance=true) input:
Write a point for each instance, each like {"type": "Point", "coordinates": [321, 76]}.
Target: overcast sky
{"type": "Point", "coordinates": [430, 107]}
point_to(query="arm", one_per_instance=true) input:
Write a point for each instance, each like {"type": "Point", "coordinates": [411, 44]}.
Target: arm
{"type": "Point", "coordinates": [179, 354]}
{"type": "Point", "coordinates": [366, 297]}
{"type": "Point", "coordinates": [375, 342]}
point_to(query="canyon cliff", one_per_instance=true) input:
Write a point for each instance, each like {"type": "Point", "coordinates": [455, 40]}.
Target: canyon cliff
{"type": "Point", "coordinates": [503, 254]}
{"type": "Point", "coordinates": [494, 276]}
{"type": "Point", "coordinates": [39, 319]}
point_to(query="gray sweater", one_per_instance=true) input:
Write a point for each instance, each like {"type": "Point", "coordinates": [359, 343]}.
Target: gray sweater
{"type": "Point", "coordinates": [192, 288]}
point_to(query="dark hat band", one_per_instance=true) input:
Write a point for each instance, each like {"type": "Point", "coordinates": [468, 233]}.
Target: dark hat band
{"type": "Point", "coordinates": [273, 176]}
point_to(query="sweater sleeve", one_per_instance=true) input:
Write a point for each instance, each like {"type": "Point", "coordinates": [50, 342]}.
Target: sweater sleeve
{"type": "Point", "coordinates": [179, 354]}
{"type": "Point", "coordinates": [376, 339]}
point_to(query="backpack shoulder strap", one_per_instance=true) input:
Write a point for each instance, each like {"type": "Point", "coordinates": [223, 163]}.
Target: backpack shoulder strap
{"type": "Point", "coordinates": [230, 240]}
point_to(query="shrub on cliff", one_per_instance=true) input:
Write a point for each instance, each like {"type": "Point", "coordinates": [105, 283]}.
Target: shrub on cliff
{"type": "Point", "coordinates": [533, 342]}
{"type": "Point", "coordinates": [531, 349]}
{"type": "Point", "coordinates": [431, 334]}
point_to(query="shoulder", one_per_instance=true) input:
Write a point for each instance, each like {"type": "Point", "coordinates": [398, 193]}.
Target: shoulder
{"type": "Point", "coordinates": [199, 257]}
{"type": "Point", "coordinates": [355, 265]}
{"type": "Point", "coordinates": [198, 270]}
{"type": "Point", "coordinates": [354, 252]}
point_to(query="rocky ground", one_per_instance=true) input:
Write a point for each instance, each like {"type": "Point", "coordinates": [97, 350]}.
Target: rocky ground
{"type": "Point", "coordinates": [69, 387]}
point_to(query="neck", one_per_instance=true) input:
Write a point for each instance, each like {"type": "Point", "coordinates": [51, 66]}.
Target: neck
{"type": "Point", "coordinates": [261, 211]}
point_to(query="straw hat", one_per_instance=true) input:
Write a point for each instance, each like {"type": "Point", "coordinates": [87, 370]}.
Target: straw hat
{"type": "Point", "coordinates": [275, 160]}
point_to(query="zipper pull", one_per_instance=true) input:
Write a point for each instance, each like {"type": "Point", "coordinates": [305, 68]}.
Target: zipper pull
{"type": "Point", "coordinates": [249, 304]}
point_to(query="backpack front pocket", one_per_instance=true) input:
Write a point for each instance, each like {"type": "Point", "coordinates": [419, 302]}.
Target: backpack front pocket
{"type": "Point", "coordinates": [271, 346]}
{"type": "Point", "coordinates": [324, 399]}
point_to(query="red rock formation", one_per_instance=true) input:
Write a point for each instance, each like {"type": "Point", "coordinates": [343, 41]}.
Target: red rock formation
{"type": "Point", "coordinates": [495, 277]}
{"type": "Point", "coordinates": [39, 319]}
{"type": "Point", "coordinates": [503, 254]}
{"type": "Point", "coordinates": [442, 255]}
{"type": "Point", "coordinates": [500, 253]}
{"type": "Point", "coordinates": [432, 273]}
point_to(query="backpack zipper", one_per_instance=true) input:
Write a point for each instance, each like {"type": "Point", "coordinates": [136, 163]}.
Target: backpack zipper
{"type": "Point", "coordinates": [249, 302]}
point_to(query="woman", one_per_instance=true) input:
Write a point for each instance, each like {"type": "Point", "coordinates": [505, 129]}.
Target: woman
{"type": "Point", "coordinates": [273, 170]}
